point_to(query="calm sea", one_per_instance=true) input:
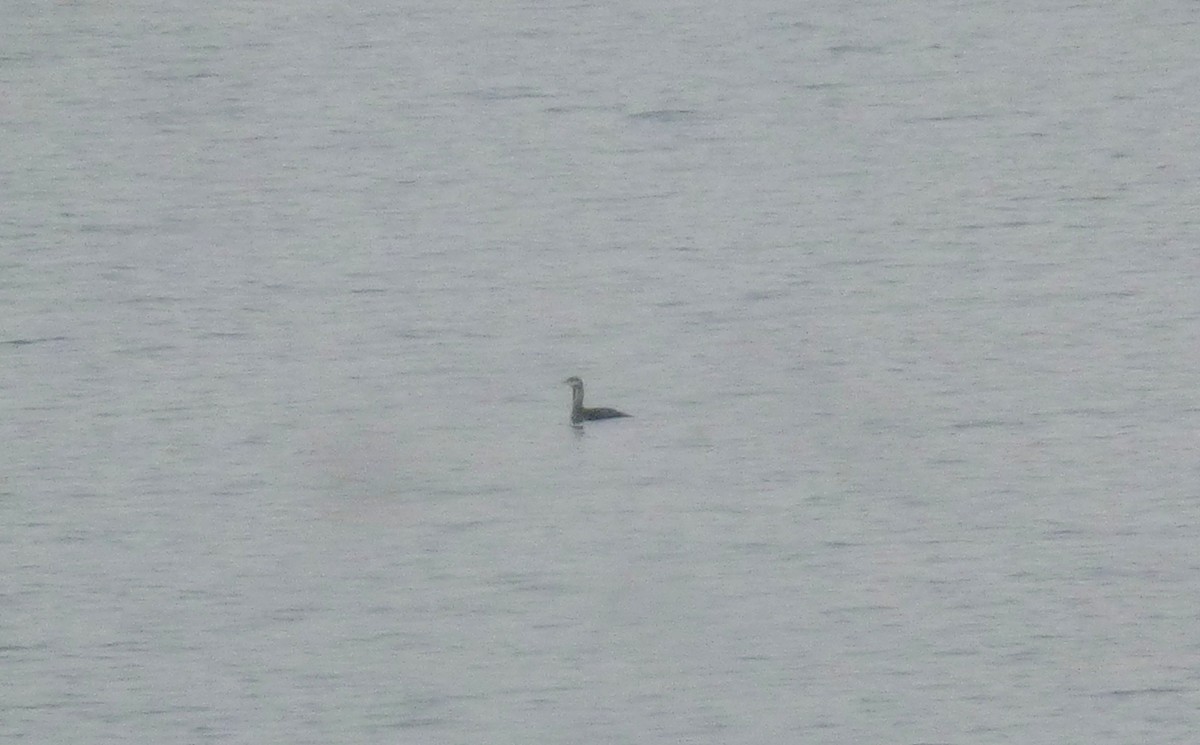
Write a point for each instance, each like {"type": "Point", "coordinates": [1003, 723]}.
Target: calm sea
{"type": "Point", "coordinates": [902, 297]}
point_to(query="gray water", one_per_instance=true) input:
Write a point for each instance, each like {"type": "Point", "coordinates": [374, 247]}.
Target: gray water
{"type": "Point", "coordinates": [902, 296]}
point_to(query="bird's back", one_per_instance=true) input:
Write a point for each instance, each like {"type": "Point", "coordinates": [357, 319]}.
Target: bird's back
{"type": "Point", "coordinates": [601, 413]}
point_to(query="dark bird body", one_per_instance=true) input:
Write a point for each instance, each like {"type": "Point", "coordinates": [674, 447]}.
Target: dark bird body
{"type": "Point", "coordinates": [581, 414]}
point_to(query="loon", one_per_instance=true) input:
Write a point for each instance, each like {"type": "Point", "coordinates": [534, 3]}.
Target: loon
{"type": "Point", "coordinates": [579, 413]}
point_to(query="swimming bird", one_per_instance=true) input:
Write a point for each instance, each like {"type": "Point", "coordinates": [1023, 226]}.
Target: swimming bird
{"type": "Point", "coordinates": [579, 413]}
